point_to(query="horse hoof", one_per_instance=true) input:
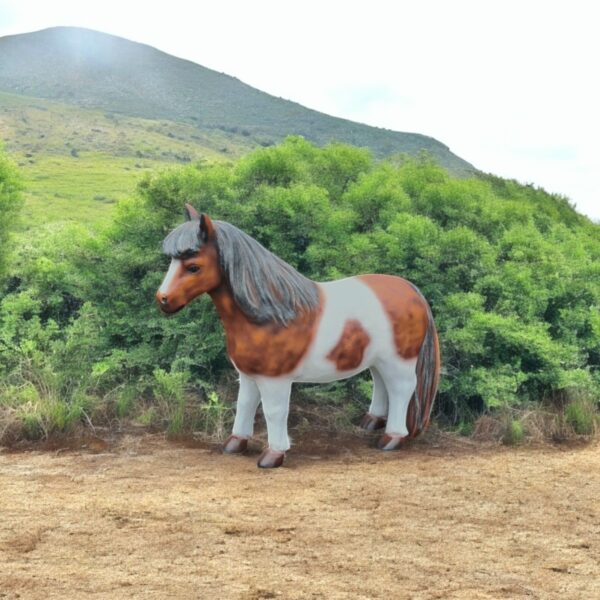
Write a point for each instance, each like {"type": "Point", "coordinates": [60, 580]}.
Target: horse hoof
{"type": "Point", "coordinates": [270, 459]}
{"type": "Point", "coordinates": [391, 442]}
{"type": "Point", "coordinates": [371, 422]}
{"type": "Point", "coordinates": [235, 444]}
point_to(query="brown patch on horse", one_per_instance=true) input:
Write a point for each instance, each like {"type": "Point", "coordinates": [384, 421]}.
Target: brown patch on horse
{"type": "Point", "coordinates": [269, 349]}
{"type": "Point", "coordinates": [348, 352]}
{"type": "Point", "coordinates": [406, 310]}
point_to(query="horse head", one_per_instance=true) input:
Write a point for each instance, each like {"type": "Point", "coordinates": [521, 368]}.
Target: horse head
{"type": "Point", "coordinates": [194, 267]}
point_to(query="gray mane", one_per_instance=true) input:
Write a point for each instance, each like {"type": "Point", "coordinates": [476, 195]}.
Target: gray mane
{"type": "Point", "coordinates": [264, 287]}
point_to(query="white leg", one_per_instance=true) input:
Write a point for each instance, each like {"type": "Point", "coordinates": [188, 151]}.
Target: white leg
{"type": "Point", "coordinates": [400, 381]}
{"type": "Point", "coordinates": [379, 401]}
{"type": "Point", "coordinates": [247, 403]}
{"type": "Point", "coordinates": [275, 397]}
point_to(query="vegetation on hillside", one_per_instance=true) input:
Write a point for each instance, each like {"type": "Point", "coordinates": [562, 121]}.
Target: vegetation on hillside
{"type": "Point", "coordinates": [87, 69]}
{"type": "Point", "coordinates": [512, 274]}
{"type": "Point", "coordinates": [10, 205]}
{"type": "Point", "coordinates": [78, 162]}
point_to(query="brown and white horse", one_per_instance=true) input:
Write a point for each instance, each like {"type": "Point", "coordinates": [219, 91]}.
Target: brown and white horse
{"type": "Point", "coordinates": [282, 327]}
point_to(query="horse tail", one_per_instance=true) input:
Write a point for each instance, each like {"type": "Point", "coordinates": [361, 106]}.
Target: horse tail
{"type": "Point", "coordinates": [428, 377]}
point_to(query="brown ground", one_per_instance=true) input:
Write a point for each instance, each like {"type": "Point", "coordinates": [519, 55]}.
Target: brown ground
{"type": "Point", "coordinates": [146, 518]}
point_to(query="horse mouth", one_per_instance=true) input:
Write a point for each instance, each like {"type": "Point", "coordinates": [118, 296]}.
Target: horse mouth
{"type": "Point", "coordinates": [170, 311]}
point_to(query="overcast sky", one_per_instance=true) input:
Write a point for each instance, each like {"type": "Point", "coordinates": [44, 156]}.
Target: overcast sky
{"type": "Point", "coordinates": [512, 87]}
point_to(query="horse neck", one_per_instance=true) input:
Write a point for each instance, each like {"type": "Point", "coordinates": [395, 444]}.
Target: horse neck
{"type": "Point", "coordinates": [225, 303]}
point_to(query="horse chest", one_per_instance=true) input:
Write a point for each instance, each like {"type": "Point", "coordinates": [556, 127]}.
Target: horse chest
{"type": "Point", "coordinates": [271, 350]}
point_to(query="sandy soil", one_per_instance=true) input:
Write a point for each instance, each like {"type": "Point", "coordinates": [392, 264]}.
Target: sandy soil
{"type": "Point", "coordinates": [145, 518]}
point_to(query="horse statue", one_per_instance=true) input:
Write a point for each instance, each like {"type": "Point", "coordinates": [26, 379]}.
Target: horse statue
{"type": "Point", "coordinates": [282, 327]}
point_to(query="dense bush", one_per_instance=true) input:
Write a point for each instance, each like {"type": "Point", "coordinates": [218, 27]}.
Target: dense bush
{"type": "Point", "coordinates": [512, 274]}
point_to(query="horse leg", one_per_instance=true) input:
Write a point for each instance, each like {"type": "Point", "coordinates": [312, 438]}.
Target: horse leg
{"type": "Point", "coordinates": [376, 417]}
{"type": "Point", "coordinates": [275, 397]}
{"type": "Point", "coordinates": [243, 425]}
{"type": "Point", "coordinates": [400, 381]}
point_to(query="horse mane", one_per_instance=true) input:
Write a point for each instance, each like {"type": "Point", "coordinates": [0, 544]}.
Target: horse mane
{"type": "Point", "coordinates": [265, 287]}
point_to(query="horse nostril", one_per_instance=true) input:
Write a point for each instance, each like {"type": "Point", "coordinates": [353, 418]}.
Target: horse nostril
{"type": "Point", "coordinates": [164, 300]}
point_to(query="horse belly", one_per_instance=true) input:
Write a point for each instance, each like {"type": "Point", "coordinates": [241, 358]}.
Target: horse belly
{"type": "Point", "coordinates": [353, 333]}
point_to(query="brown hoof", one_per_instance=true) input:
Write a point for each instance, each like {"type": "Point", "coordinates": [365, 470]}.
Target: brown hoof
{"type": "Point", "coordinates": [235, 444]}
{"type": "Point", "coordinates": [390, 442]}
{"type": "Point", "coordinates": [270, 459]}
{"type": "Point", "coordinates": [371, 422]}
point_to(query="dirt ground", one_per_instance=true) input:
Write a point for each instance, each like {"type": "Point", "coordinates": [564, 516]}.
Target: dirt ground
{"type": "Point", "coordinates": [146, 518]}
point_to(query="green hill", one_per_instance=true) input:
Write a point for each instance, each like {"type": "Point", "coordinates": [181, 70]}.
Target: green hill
{"type": "Point", "coordinates": [89, 69]}
{"type": "Point", "coordinates": [77, 162]}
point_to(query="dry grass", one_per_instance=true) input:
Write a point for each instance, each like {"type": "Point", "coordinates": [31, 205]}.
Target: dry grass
{"type": "Point", "coordinates": [538, 425]}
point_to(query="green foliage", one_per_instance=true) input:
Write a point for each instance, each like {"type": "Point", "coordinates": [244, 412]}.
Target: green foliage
{"type": "Point", "coordinates": [169, 390]}
{"type": "Point", "coordinates": [113, 154]}
{"type": "Point", "coordinates": [215, 416]}
{"type": "Point", "coordinates": [514, 433]}
{"type": "Point", "coordinates": [512, 274]}
{"type": "Point", "coordinates": [10, 204]}
{"type": "Point", "coordinates": [582, 415]}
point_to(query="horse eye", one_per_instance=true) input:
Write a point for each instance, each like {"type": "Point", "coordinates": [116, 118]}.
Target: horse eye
{"type": "Point", "coordinates": [193, 269]}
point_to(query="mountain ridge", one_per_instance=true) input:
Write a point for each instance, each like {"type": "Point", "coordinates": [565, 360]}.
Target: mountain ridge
{"type": "Point", "coordinates": [91, 69]}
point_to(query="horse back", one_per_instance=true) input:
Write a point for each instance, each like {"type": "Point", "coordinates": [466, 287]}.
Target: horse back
{"type": "Point", "coordinates": [406, 309]}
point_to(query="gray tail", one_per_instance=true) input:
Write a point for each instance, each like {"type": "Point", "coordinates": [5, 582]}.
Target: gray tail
{"type": "Point", "coordinates": [428, 377]}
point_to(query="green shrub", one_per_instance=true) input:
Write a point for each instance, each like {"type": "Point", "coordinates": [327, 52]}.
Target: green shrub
{"type": "Point", "coordinates": [512, 275]}
{"type": "Point", "coordinates": [582, 416]}
{"type": "Point", "coordinates": [215, 416]}
{"type": "Point", "coordinates": [514, 433]}
{"type": "Point", "coordinates": [125, 401]}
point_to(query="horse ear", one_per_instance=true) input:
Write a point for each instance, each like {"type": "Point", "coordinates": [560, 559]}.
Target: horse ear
{"type": "Point", "coordinates": [207, 229]}
{"type": "Point", "coordinates": [191, 213]}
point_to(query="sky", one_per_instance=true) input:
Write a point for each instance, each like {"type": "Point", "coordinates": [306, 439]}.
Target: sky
{"type": "Point", "coordinates": [512, 87]}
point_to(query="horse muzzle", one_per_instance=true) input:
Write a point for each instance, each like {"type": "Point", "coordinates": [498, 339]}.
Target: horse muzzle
{"type": "Point", "coordinates": [166, 305]}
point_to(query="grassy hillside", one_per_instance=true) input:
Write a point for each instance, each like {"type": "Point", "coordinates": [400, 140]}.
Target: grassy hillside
{"type": "Point", "coordinates": [94, 70]}
{"type": "Point", "coordinates": [77, 162]}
